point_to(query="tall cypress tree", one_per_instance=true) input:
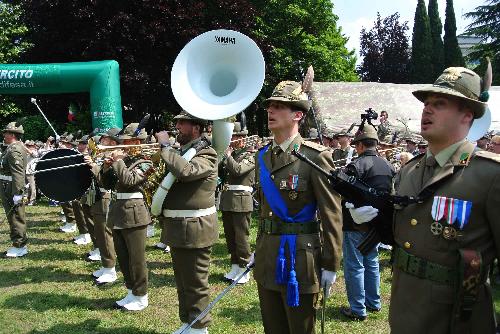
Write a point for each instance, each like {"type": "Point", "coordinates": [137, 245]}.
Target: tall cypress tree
{"type": "Point", "coordinates": [421, 44]}
{"type": "Point", "coordinates": [452, 53]}
{"type": "Point", "coordinates": [437, 41]}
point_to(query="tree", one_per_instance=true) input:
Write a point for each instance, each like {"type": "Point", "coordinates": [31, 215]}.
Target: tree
{"type": "Point", "coordinates": [452, 53]}
{"type": "Point", "coordinates": [385, 51]}
{"type": "Point", "coordinates": [144, 36]}
{"type": "Point", "coordinates": [12, 45]}
{"type": "Point", "coordinates": [486, 25]}
{"type": "Point", "coordinates": [296, 34]}
{"type": "Point", "coordinates": [437, 41]}
{"type": "Point", "coordinates": [421, 70]}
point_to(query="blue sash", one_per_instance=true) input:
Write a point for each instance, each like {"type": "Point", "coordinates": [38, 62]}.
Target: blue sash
{"type": "Point", "coordinates": [279, 208]}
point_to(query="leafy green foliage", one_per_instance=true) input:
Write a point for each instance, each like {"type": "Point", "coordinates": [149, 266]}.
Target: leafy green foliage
{"type": "Point", "coordinates": [452, 53]}
{"type": "Point", "coordinates": [486, 25]}
{"type": "Point", "coordinates": [35, 128]}
{"type": "Point", "coordinates": [437, 42]}
{"type": "Point", "coordinates": [385, 51]}
{"type": "Point", "coordinates": [421, 47]}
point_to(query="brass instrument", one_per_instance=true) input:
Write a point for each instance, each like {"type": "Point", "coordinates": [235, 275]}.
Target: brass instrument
{"type": "Point", "coordinates": [247, 142]}
{"type": "Point", "coordinates": [97, 151]}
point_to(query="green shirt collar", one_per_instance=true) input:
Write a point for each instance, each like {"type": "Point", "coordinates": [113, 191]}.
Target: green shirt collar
{"type": "Point", "coordinates": [445, 155]}
{"type": "Point", "coordinates": [286, 144]}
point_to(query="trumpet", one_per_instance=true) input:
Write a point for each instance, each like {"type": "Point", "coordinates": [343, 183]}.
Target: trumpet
{"type": "Point", "coordinates": [250, 141]}
{"type": "Point", "coordinates": [148, 150]}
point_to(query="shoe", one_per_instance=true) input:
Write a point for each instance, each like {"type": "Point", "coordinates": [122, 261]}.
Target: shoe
{"type": "Point", "coordinates": [231, 275]}
{"type": "Point", "coordinates": [61, 212]}
{"type": "Point", "coordinates": [245, 278]}
{"type": "Point", "coordinates": [180, 329]}
{"type": "Point", "coordinates": [161, 245]}
{"type": "Point", "coordinates": [68, 228]}
{"type": "Point", "coordinates": [16, 252]}
{"type": "Point", "coordinates": [108, 276]}
{"type": "Point", "coordinates": [83, 239]}
{"type": "Point", "coordinates": [94, 255]}
{"type": "Point", "coordinates": [346, 311]}
{"type": "Point", "coordinates": [136, 303]}
{"type": "Point", "coordinates": [63, 219]}
{"type": "Point", "coordinates": [373, 310]}
{"type": "Point", "coordinates": [31, 203]}
{"type": "Point", "coordinates": [125, 300]}
{"type": "Point", "coordinates": [197, 331]}
{"type": "Point", "coordinates": [150, 231]}
{"type": "Point", "coordinates": [96, 274]}
{"type": "Point", "coordinates": [167, 249]}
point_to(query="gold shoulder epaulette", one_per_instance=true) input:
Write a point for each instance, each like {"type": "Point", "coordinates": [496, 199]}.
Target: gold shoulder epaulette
{"type": "Point", "coordinates": [314, 146]}
{"type": "Point", "coordinates": [488, 155]}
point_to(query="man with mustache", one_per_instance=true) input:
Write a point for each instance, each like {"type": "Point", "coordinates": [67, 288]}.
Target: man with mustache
{"type": "Point", "coordinates": [446, 238]}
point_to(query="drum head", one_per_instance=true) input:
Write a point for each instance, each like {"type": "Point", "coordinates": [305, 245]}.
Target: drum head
{"type": "Point", "coordinates": [64, 184]}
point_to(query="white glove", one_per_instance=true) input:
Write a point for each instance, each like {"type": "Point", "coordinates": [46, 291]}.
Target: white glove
{"type": "Point", "coordinates": [251, 261]}
{"type": "Point", "coordinates": [328, 278]}
{"type": "Point", "coordinates": [17, 199]}
{"type": "Point", "coordinates": [163, 138]}
{"type": "Point", "coordinates": [362, 214]}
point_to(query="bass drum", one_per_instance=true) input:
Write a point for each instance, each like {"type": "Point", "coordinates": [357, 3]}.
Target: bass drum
{"type": "Point", "coordinates": [65, 184]}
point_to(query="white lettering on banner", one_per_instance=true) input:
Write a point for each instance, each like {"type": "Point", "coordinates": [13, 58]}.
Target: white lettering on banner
{"type": "Point", "coordinates": [16, 74]}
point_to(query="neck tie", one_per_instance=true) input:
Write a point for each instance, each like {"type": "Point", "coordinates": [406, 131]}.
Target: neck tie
{"type": "Point", "coordinates": [275, 155]}
{"type": "Point", "coordinates": [430, 163]}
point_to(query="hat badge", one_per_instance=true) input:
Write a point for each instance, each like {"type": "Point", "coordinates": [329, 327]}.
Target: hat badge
{"type": "Point", "coordinates": [452, 74]}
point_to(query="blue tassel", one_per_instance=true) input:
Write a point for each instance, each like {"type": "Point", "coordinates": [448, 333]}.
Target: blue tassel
{"type": "Point", "coordinates": [281, 267]}
{"type": "Point", "coordinates": [292, 291]}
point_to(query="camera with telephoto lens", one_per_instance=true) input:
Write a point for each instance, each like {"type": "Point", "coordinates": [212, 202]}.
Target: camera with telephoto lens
{"type": "Point", "coordinates": [369, 115]}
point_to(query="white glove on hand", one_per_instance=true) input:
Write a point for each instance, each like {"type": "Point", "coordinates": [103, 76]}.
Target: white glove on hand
{"type": "Point", "coordinates": [163, 138]}
{"type": "Point", "coordinates": [17, 199]}
{"type": "Point", "coordinates": [362, 214]}
{"type": "Point", "coordinates": [328, 278]}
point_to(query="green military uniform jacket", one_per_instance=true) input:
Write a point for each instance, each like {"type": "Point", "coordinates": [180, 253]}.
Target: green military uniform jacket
{"type": "Point", "coordinates": [193, 189]}
{"type": "Point", "coordinates": [13, 163]}
{"type": "Point", "coordinates": [424, 306]}
{"type": "Point", "coordinates": [100, 207]}
{"type": "Point", "coordinates": [340, 155]}
{"type": "Point", "coordinates": [239, 169]}
{"type": "Point", "coordinates": [127, 213]}
{"type": "Point", "coordinates": [314, 251]}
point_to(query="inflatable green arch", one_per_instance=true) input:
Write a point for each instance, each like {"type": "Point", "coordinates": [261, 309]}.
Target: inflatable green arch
{"type": "Point", "coordinates": [100, 78]}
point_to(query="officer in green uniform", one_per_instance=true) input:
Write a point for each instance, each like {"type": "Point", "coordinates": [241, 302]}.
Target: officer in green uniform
{"type": "Point", "coordinates": [12, 187]}
{"type": "Point", "coordinates": [343, 155]}
{"type": "Point", "coordinates": [448, 238]}
{"type": "Point", "coordinates": [236, 202]}
{"type": "Point", "coordinates": [125, 172]}
{"type": "Point", "coordinates": [190, 217]}
{"type": "Point", "coordinates": [294, 256]}
{"type": "Point", "coordinates": [99, 211]}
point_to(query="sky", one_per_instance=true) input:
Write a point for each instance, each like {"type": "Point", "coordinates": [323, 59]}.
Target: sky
{"type": "Point", "coordinates": [356, 14]}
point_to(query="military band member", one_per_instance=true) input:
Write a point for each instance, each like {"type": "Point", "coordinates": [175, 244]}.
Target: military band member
{"type": "Point", "coordinates": [236, 202]}
{"type": "Point", "coordinates": [12, 187]}
{"type": "Point", "coordinates": [102, 228]}
{"type": "Point", "coordinates": [294, 257]}
{"type": "Point", "coordinates": [66, 141]}
{"type": "Point", "coordinates": [190, 217]}
{"type": "Point", "coordinates": [343, 155]}
{"type": "Point", "coordinates": [446, 241]}
{"type": "Point", "coordinates": [83, 216]}
{"type": "Point", "coordinates": [125, 173]}
{"type": "Point", "coordinates": [30, 177]}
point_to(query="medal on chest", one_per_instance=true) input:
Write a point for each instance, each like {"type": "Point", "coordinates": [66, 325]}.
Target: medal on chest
{"type": "Point", "coordinates": [454, 212]}
{"type": "Point", "coordinates": [293, 182]}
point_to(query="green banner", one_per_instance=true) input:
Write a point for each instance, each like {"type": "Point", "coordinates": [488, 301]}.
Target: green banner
{"type": "Point", "coordinates": [100, 78]}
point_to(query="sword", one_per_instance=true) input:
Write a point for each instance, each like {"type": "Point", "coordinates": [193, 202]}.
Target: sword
{"type": "Point", "coordinates": [219, 297]}
{"type": "Point", "coordinates": [323, 309]}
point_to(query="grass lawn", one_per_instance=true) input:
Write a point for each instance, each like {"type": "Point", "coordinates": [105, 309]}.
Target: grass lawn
{"type": "Point", "coordinates": [50, 291]}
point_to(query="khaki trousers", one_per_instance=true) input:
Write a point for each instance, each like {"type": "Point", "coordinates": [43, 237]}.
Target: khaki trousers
{"type": "Point", "coordinates": [104, 241]}
{"type": "Point", "coordinates": [16, 217]}
{"type": "Point", "coordinates": [237, 231]}
{"type": "Point", "coordinates": [32, 189]}
{"type": "Point", "coordinates": [191, 277]}
{"type": "Point", "coordinates": [279, 318]}
{"type": "Point", "coordinates": [130, 245]}
{"type": "Point", "coordinates": [67, 208]}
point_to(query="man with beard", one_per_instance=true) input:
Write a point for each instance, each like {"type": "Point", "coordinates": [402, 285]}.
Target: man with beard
{"type": "Point", "coordinates": [189, 217]}
{"type": "Point", "coordinates": [447, 237]}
